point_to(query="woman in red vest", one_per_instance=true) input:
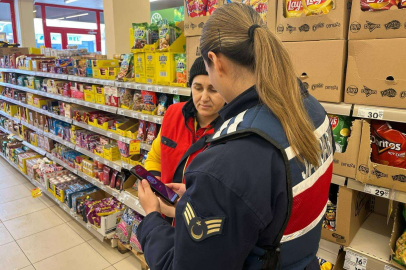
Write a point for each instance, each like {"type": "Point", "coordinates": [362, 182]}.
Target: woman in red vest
{"type": "Point", "coordinates": [185, 124]}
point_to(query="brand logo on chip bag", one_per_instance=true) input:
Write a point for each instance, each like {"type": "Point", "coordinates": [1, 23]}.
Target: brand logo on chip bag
{"type": "Point", "coordinates": [371, 26]}
{"type": "Point", "coordinates": [363, 169]}
{"type": "Point", "coordinates": [379, 174]}
{"type": "Point", "coordinates": [385, 145]}
{"type": "Point", "coordinates": [352, 90]}
{"type": "Point", "coordinates": [317, 26]}
{"type": "Point", "coordinates": [334, 122]}
{"type": "Point", "coordinates": [367, 91]}
{"type": "Point", "coordinates": [304, 28]}
{"type": "Point", "coordinates": [392, 25]}
{"type": "Point", "coordinates": [389, 93]}
{"type": "Point", "coordinates": [290, 28]}
{"type": "Point", "coordinates": [314, 2]}
{"type": "Point", "coordinates": [355, 27]}
{"type": "Point", "coordinates": [294, 5]}
{"type": "Point", "coordinates": [139, 33]}
{"type": "Point", "coordinates": [399, 177]}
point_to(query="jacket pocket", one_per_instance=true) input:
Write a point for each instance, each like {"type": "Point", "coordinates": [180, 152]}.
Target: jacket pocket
{"type": "Point", "coordinates": [168, 142]}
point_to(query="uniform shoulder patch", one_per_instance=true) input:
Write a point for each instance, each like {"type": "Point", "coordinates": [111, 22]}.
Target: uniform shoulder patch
{"type": "Point", "coordinates": [200, 229]}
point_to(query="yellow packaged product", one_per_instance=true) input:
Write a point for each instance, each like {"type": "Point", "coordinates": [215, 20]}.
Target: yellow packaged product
{"type": "Point", "coordinates": [317, 7]}
{"type": "Point", "coordinates": [293, 8]}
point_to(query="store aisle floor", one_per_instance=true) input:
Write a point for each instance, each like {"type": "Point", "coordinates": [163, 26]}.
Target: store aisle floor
{"type": "Point", "coordinates": [38, 234]}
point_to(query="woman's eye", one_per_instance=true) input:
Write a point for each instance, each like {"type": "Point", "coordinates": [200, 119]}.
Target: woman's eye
{"type": "Point", "coordinates": [198, 88]}
{"type": "Point", "coordinates": [213, 90]}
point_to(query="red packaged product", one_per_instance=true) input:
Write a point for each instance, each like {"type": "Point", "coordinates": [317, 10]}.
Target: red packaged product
{"type": "Point", "coordinates": [150, 100]}
{"type": "Point", "coordinates": [151, 135]}
{"type": "Point", "coordinates": [196, 8]}
{"type": "Point", "coordinates": [374, 5]}
{"type": "Point", "coordinates": [141, 131]}
{"type": "Point", "coordinates": [212, 5]}
{"type": "Point", "coordinates": [106, 175]}
{"type": "Point", "coordinates": [402, 4]}
{"type": "Point", "coordinates": [113, 179]}
{"type": "Point", "coordinates": [388, 142]}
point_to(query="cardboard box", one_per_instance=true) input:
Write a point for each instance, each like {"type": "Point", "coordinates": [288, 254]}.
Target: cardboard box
{"type": "Point", "coordinates": [375, 73]}
{"type": "Point", "coordinates": [352, 210]}
{"type": "Point", "coordinates": [373, 173]}
{"type": "Point", "coordinates": [399, 226]}
{"type": "Point", "coordinates": [379, 24]}
{"type": "Point", "coordinates": [325, 79]}
{"type": "Point", "coordinates": [194, 26]}
{"type": "Point", "coordinates": [192, 51]}
{"type": "Point", "coordinates": [7, 51]}
{"type": "Point", "coordinates": [345, 164]}
{"type": "Point", "coordinates": [333, 25]}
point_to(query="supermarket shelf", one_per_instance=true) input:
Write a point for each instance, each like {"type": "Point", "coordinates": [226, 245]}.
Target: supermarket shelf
{"type": "Point", "coordinates": [338, 180]}
{"type": "Point", "coordinates": [113, 164]}
{"type": "Point", "coordinates": [36, 92]}
{"type": "Point", "coordinates": [101, 107]}
{"type": "Point", "coordinates": [62, 205]}
{"type": "Point", "coordinates": [98, 130]}
{"type": "Point", "coordinates": [141, 116]}
{"type": "Point", "coordinates": [11, 133]}
{"type": "Point", "coordinates": [36, 149]}
{"type": "Point", "coordinates": [145, 146]}
{"type": "Point", "coordinates": [381, 113]}
{"type": "Point", "coordinates": [371, 244]}
{"type": "Point", "coordinates": [328, 250]}
{"type": "Point", "coordinates": [184, 91]}
{"type": "Point", "coordinates": [337, 108]}
{"type": "Point", "coordinates": [60, 162]}
{"type": "Point", "coordinates": [391, 194]}
{"type": "Point", "coordinates": [10, 117]}
{"type": "Point", "coordinates": [59, 139]}
{"type": "Point", "coordinates": [62, 118]}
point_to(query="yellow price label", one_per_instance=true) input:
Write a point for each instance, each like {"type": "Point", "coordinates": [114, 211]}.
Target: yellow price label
{"type": "Point", "coordinates": [135, 147]}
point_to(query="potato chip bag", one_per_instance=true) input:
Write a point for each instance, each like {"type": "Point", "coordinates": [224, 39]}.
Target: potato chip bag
{"type": "Point", "coordinates": [374, 5]}
{"type": "Point", "coordinates": [317, 7]}
{"type": "Point", "coordinates": [341, 131]}
{"type": "Point", "coordinates": [212, 5]}
{"type": "Point", "coordinates": [293, 8]}
{"type": "Point", "coordinates": [196, 8]}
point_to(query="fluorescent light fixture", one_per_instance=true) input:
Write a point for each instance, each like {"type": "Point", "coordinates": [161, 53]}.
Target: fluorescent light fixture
{"type": "Point", "coordinates": [70, 1]}
{"type": "Point", "coordinates": [61, 18]}
{"type": "Point", "coordinates": [153, 0]}
{"type": "Point", "coordinates": [34, 11]}
{"type": "Point", "coordinates": [79, 15]}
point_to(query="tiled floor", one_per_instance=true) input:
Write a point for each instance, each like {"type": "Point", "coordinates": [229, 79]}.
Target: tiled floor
{"type": "Point", "coordinates": [38, 234]}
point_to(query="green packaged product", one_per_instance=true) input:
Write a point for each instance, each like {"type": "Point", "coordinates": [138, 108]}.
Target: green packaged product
{"type": "Point", "coordinates": [181, 72]}
{"type": "Point", "coordinates": [140, 35]}
{"type": "Point", "coordinates": [341, 131]}
{"type": "Point", "coordinates": [126, 67]}
{"type": "Point", "coordinates": [152, 33]}
{"type": "Point", "coordinates": [168, 33]}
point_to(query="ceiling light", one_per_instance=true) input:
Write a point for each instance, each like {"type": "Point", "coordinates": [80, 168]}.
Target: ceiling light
{"type": "Point", "coordinates": [153, 0]}
{"type": "Point", "coordinates": [79, 15]}
{"type": "Point", "coordinates": [61, 18]}
{"type": "Point", "coordinates": [34, 11]}
{"type": "Point", "coordinates": [70, 1]}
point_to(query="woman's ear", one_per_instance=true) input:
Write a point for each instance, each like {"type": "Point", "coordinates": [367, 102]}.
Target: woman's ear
{"type": "Point", "coordinates": [216, 61]}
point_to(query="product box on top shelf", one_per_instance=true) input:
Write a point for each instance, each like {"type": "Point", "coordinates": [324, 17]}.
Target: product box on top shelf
{"type": "Point", "coordinates": [375, 75]}
{"type": "Point", "coordinates": [371, 19]}
{"type": "Point", "coordinates": [299, 20]}
{"type": "Point", "coordinates": [384, 143]}
{"type": "Point", "coordinates": [342, 222]}
{"type": "Point", "coordinates": [325, 79]}
{"type": "Point", "coordinates": [192, 50]}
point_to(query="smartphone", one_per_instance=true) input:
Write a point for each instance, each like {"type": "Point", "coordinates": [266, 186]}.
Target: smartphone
{"type": "Point", "coordinates": [157, 186]}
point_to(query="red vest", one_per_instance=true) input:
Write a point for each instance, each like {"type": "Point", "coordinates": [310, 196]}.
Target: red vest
{"type": "Point", "coordinates": [177, 135]}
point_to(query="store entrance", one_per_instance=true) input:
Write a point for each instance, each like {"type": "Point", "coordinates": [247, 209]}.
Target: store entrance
{"type": "Point", "coordinates": [61, 38]}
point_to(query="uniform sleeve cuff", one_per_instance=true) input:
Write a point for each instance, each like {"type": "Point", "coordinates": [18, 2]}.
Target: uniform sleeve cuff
{"type": "Point", "coordinates": [148, 224]}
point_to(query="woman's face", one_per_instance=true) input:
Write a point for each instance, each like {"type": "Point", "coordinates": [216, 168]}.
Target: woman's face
{"type": "Point", "coordinates": [205, 98]}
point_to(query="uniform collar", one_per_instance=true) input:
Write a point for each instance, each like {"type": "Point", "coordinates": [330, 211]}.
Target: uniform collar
{"type": "Point", "coordinates": [248, 99]}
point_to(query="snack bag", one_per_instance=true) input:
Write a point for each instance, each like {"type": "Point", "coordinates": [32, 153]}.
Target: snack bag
{"type": "Point", "coordinates": [152, 33]}
{"type": "Point", "coordinates": [388, 144]}
{"type": "Point", "coordinates": [126, 98]}
{"type": "Point", "coordinates": [176, 99]}
{"type": "Point", "coordinates": [212, 5]}
{"type": "Point", "coordinates": [313, 7]}
{"type": "Point", "coordinates": [402, 4]}
{"type": "Point", "coordinates": [151, 135]}
{"type": "Point", "coordinates": [325, 265]}
{"type": "Point", "coordinates": [134, 243]}
{"type": "Point", "coordinates": [260, 6]}
{"type": "Point", "coordinates": [330, 217]}
{"type": "Point", "coordinates": [162, 105]}
{"type": "Point", "coordinates": [375, 5]}
{"type": "Point", "coordinates": [141, 131]}
{"type": "Point", "coordinates": [196, 8]}
{"type": "Point", "coordinates": [341, 131]}
{"type": "Point", "coordinates": [293, 8]}
{"type": "Point", "coordinates": [164, 33]}
{"type": "Point", "coordinates": [126, 67]}
{"type": "Point", "coordinates": [138, 104]}
{"type": "Point", "coordinates": [149, 100]}
{"type": "Point", "coordinates": [140, 35]}
{"type": "Point", "coordinates": [181, 71]}
{"type": "Point", "coordinates": [123, 230]}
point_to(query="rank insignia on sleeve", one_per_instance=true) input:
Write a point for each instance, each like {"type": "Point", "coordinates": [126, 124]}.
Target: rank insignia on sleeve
{"type": "Point", "coordinates": [200, 229]}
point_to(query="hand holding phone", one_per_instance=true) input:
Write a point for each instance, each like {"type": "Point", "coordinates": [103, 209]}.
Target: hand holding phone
{"type": "Point", "coordinates": [157, 186]}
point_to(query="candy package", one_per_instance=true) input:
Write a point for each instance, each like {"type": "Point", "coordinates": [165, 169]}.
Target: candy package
{"type": "Point", "coordinates": [388, 142]}
{"type": "Point", "coordinates": [149, 101]}
{"type": "Point", "coordinates": [341, 131]}
{"type": "Point", "coordinates": [123, 230]}
{"type": "Point", "coordinates": [151, 135]}
{"type": "Point", "coordinates": [196, 8]}
{"type": "Point", "coordinates": [330, 217]}
{"type": "Point", "coordinates": [162, 105]}
{"type": "Point", "coordinates": [140, 35]}
{"type": "Point", "coordinates": [141, 131]}
{"type": "Point", "coordinates": [181, 71]}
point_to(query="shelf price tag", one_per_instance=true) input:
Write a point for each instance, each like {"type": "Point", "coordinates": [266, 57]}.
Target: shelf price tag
{"type": "Point", "coordinates": [138, 86]}
{"type": "Point", "coordinates": [158, 120]}
{"type": "Point", "coordinates": [173, 91]}
{"type": "Point", "coordinates": [150, 88]}
{"type": "Point", "coordinates": [377, 191]}
{"type": "Point", "coordinates": [103, 188]}
{"type": "Point", "coordinates": [356, 259]}
{"type": "Point", "coordinates": [128, 85]}
{"type": "Point", "coordinates": [116, 167]}
{"type": "Point", "coordinates": [387, 267]}
{"type": "Point", "coordinates": [370, 113]}
{"type": "Point", "coordinates": [120, 111]}
{"type": "Point", "coordinates": [109, 134]}
{"type": "Point", "coordinates": [97, 158]}
{"type": "Point", "coordinates": [351, 266]}
{"type": "Point", "coordinates": [135, 115]}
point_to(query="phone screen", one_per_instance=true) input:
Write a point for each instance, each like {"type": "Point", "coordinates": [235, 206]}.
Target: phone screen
{"type": "Point", "coordinates": [160, 187]}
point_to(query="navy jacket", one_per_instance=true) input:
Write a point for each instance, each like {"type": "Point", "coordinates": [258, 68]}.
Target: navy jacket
{"type": "Point", "coordinates": [241, 208]}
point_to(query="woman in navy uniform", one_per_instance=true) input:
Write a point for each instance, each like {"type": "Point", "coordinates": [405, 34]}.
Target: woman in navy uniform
{"type": "Point", "coordinates": [256, 197]}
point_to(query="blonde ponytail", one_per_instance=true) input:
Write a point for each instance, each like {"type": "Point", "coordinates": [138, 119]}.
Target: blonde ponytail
{"type": "Point", "coordinates": [226, 32]}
